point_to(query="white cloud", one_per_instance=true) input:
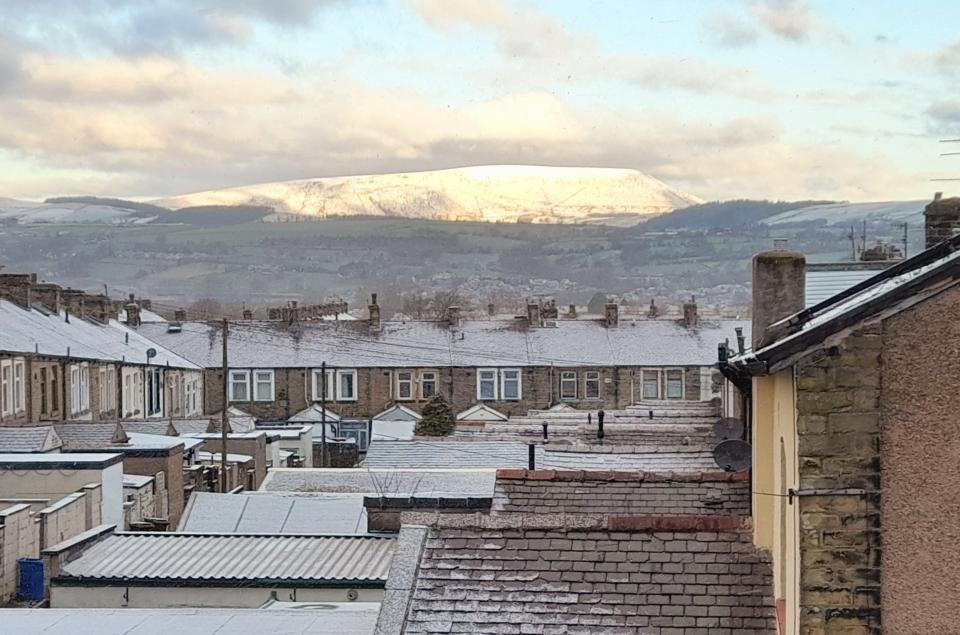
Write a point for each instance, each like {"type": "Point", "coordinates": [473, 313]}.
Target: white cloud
{"type": "Point", "coordinates": [789, 19]}
{"type": "Point", "coordinates": [728, 30]}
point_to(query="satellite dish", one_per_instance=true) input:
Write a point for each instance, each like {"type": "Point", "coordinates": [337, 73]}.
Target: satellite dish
{"type": "Point", "coordinates": [151, 353]}
{"type": "Point", "coordinates": [728, 428]}
{"type": "Point", "coordinates": [733, 455]}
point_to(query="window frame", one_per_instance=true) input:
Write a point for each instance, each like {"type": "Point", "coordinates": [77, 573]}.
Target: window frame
{"type": "Point", "coordinates": [256, 382]}
{"type": "Point", "coordinates": [503, 384]}
{"type": "Point", "coordinates": [79, 388]}
{"type": "Point", "coordinates": [330, 385]}
{"type": "Point", "coordinates": [6, 387]}
{"type": "Point", "coordinates": [643, 383]}
{"type": "Point", "coordinates": [346, 372]}
{"type": "Point", "coordinates": [492, 380]}
{"type": "Point", "coordinates": [587, 380]}
{"type": "Point", "coordinates": [409, 382]}
{"type": "Point", "coordinates": [424, 381]}
{"type": "Point", "coordinates": [153, 394]}
{"type": "Point", "coordinates": [232, 384]}
{"type": "Point", "coordinates": [568, 377]}
{"type": "Point", "coordinates": [666, 382]}
{"type": "Point", "coordinates": [19, 386]}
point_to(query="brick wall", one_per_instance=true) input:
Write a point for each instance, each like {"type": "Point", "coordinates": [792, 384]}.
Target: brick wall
{"type": "Point", "coordinates": [64, 519]}
{"type": "Point", "coordinates": [838, 436]}
{"type": "Point", "coordinates": [624, 493]}
{"type": "Point", "coordinates": [694, 576]}
{"type": "Point", "coordinates": [171, 466]}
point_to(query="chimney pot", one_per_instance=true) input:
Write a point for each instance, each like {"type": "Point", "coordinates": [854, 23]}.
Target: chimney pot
{"type": "Point", "coordinates": [572, 312]}
{"type": "Point", "coordinates": [533, 314]}
{"type": "Point", "coordinates": [180, 315]}
{"type": "Point", "coordinates": [133, 314]}
{"type": "Point", "coordinates": [690, 317]}
{"type": "Point", "coordinates": [374, 313]}
{"type": "Point", "coordinates": [247, 314]}
{"type": "Point", "coordinates": [779, 279]}
{"type": "Point", "coordinates": [453, 316]}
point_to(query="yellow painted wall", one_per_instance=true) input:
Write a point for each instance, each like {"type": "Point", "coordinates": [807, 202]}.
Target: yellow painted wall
{"type": "Point", "coordinates": [775, 473]}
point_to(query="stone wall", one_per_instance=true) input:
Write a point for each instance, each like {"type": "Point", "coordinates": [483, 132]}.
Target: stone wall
{"type": "Point", "coordinates": [375, 391]}
{"type": "Point", "coordinates": [625, 493]}
{"type": "Point", "coordinates": [838, 434]}
{"type": "Point", "coordinates": [167, 468]}
{"type": "Point", "coordinates": [64, 519]}
{"type": "Point", "coordinates": [19, 538]}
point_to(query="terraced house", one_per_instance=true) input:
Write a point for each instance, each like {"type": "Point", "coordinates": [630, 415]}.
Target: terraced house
{"type": "Point", "coordinates": [64, 356]}
{"type": "Point", "coordinates": [359, 368]}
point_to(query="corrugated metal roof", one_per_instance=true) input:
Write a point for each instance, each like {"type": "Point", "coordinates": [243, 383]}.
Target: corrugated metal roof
{"type": "Point", "coordinates": [635, 342]}
{"type": "Point", "coordinates": [32, 330]}
{"type": "Point", "coordinates": [821, 285]}
{"type": "Point", "coordinates": [183, 557]}
{"type": "Point", "coordinates": [35, 439]}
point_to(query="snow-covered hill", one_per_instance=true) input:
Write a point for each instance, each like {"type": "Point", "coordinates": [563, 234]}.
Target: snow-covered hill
{"type": "Point", "coordinates": [501, 193]}
{"type": "Point", "coordinates": [847, 213]}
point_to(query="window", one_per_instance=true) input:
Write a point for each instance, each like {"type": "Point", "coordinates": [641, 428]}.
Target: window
{"type": "Point", "coordinates": [323, 389]}
{"type": "Point", "coordinates": [651, 384]}
{"type": "Point", "coordinates": [154, 392]}
{"type": "Point", "coordinates": [346, 385]}
{"type": "Point", "coordinates": [79, 389]}
{"type": "Point", "coordinates": [239, 385]}
{"type": "Point", "coordinates": [127, 395]}
{"type": "Point", "coordinates": [404, 385]}
{"type": "Point", "coordinates": [191, 390]}
{"type": "Point", "coordinates": [54, 391]}
{"type": "Point", "coordinates": [486, 384]}
{"type": "Point", "coordinates": [263, 385]}
{"type": "Point", "coordinates": [591, 384]}
{"type": "Point", "coordinates": [568, 385]}
{"type": "Point", "coordinates": [19, 386]}
{"type": "Point", "coordinates": [428, 384]}
{"type": "Point", "coordinates": [108, 396]}
{"type": "Point", "coordinates": [675, 384]}
{"type": "Point", "coordinates": [510, 384]}
{"type": "Point", "coordinates": [6, 388]}
{"type": "Point", "coordinates": [44, 401]}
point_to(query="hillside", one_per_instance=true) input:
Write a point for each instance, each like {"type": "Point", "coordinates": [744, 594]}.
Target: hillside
{"type": "Point", "coordinates": [490, 193]}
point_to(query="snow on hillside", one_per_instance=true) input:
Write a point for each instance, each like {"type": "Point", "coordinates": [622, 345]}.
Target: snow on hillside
{"type": "Point", "coordinates": [28, 212]}
{"type": "Point", "coordinates": [847, 213]}
{"type": "Point", "coordinates": [505, 193]}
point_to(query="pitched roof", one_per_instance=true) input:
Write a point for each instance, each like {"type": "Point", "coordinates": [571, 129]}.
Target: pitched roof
{"type": "Point", "coordinates": [314, 414]}
{"type": "Point", "coordinates": [422, 482]}
{"type": "Point", "coordinates": [513, 574]}
{"type": "Point", "coordinates": [506, 454]}
{"type": "Point", "coordinates": [887, 293]}
{"type": "Point", "coordinates": [90, 435]}
{"type": "Point", "coordinates": [274, 513]}
{"type": "Point", "coordinates": [397, 412]}
{"type": "Point", "coordinates": [481, 412]}
{"type": "Point", "coordinates": [234, 559]}
{"type": "Point", "coordinates": [476, 343]}
{"type": "Point", "coordinates": [355, 618]}
{"type": "Point", "coordinates": [35, 439]}
{"type": "Point", "coordinates": [39, 331]}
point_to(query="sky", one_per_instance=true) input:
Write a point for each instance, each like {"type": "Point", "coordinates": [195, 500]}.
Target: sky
{"type": "Point", "coordinates": [777, 99]}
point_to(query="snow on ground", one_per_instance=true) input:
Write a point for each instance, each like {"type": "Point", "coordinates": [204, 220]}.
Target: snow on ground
{"type": "Point", "coordinates": [847, 213]}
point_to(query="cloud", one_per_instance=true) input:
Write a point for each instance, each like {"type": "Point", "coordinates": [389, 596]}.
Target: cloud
{"type": "Point", "coordinates": [521, 32]}
{"type": "Point", "coordinates": [788, 19]}
{"type": "Point", "coordinates": [729, 31]}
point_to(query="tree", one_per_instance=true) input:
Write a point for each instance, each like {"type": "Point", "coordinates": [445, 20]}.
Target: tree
{"type": "Point", "coordinates": [437, 419]}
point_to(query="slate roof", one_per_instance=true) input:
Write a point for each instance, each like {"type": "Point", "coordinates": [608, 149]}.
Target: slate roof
{"type": "Point", "coordinates": [234, 559]}
{"type": "Point", "coordinates": [507, 454]}
{"type": "Point", "coordinates": [46, 333]}
{"type": "Point", "coordinates": [274, 513]}
{"type": "Point", "coordinates": [34, 439]}
{"type": "Point", "coordinates": [514, 574]}
{"type": "Point", "coordinates": [86, 435]}
{"type": "Point", "coordinates": [635, 342]}
{"type": "Point", "coordinates": [422, 482]}
{"type": "Point", "coordinates": [356, 618]}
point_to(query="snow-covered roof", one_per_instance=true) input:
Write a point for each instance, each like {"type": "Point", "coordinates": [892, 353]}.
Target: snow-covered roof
{"type": "Point", "coordinates": [47, 333]}
{"type": "Point", "coordinates": [136, 481]}
{"type": "Point", "coordinates": [314, 414]}
{"type": "Point", "coordinates": [477, 343]}
{"type": "Point", "coordinates": [887, 292]}
{"type": "Point", "coordinates": [481, 412]}
{"type": "Point", "coordinates": [397, 412]}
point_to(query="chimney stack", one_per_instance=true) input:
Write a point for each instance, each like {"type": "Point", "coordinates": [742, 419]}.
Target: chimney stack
{"type": "Point", "coordinates": [453, 316]}
{"type": "Point", "coordinates": [293, 315]}
{"type": "Point", "coordinates": [549, 310]}
{"type": "Point", "coordinates": [741, 340]}
{"type": "Point", "coordinates": [941, 219]}
{"type": "Point", "coordinates": [611, 314]}
{"type": "Point", "coordinates": [19, 287]}
{"type": "Point", "coordinates": [133, 313]}
{"type": "Point", "coordinates": [533, 314]}
{"type": "Point", "coordinates": [654, 311]}
{"type": "Point", "coordinates": [779, 278]}
{"type": "Point", "coordinates": [180, 315]}
{"type": "Point", "coordinates": [247, 314]}
{"type": "Point", "coordinates": [690, 317]}
{"type": "Point", "coordinates": [374, 313]}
